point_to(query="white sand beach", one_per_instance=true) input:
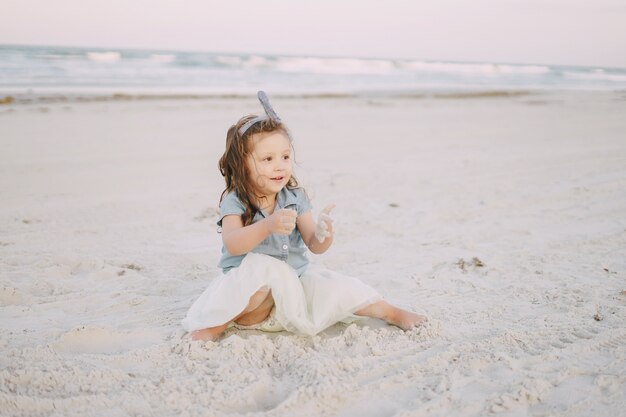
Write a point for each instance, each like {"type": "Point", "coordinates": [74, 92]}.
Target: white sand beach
{"type": "Point", "coordinates": [502, 218]}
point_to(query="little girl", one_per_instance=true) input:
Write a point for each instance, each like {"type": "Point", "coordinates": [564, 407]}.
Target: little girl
{"type": "Point", "coordinates": [267, 225]}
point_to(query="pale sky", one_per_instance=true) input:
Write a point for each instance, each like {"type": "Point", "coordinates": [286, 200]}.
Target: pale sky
{"type": "Point", "coordinates": [576, 32]}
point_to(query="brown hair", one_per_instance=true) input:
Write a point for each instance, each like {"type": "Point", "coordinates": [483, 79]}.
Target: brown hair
{"type": "Point", "coordinates": [233, 165]}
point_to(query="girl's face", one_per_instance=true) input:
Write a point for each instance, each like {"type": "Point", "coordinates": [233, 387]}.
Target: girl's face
{"type": "Point", "coordinates": [269, 162]}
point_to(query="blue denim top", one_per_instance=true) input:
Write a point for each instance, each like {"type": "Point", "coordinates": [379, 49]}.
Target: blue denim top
{"type": "Point", "coordinates": [290, 249]}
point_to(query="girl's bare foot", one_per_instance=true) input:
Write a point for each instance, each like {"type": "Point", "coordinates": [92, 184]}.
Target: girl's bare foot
{"type": "Point", "coordinates": [406, 320]}
{"type": "Point", "coordinates": [212, 333]}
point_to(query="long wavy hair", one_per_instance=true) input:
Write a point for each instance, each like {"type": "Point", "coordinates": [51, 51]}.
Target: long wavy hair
{"type": "Point", "coordinates": [233, 167]}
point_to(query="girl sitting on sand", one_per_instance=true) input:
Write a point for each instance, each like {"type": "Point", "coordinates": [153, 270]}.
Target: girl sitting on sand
{"type": "Point", "coordinates": [267, 225]}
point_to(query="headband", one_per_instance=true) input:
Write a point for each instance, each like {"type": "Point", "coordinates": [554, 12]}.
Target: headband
{"type": "Point", "coordinates": [269, 113]}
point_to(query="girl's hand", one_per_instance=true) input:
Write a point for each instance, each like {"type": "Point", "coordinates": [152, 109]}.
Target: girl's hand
{"type": "Point", "coordinates": [324, 227]}
{"type": "Point", "coordinates": [282, 221]}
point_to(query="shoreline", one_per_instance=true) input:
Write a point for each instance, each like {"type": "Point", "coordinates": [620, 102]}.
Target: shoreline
{"type": "Point", "coordinates": [8, 100]}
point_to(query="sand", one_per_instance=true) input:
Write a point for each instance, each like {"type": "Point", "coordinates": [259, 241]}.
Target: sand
{"type": "Point", "coordinates": [502, 218]}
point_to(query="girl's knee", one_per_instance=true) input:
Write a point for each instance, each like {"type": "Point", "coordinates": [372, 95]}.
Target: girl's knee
{"type": "Point", "coordinates": [256, 313]}
{"type": "Point", "coordinates": [259, 299]}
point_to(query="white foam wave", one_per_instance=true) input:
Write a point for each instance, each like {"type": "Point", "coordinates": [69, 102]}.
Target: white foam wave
{"type": "Point", "coordinates": [58, 56]}
{"type": "Point", "coordinates": [162, 58]}
{"type": "Point", "coordinates": [382, 66]}
{"type": "Point", "coordinates": [255, 61]}
{"type": "Point", "coordinates": [252, 61]}
{"type": "Point", "coordinates": [596, 75]}
{"type": "Point", "coordinates": [228, 60]}
{"type": "Point", "coordinates": [522, 69]}
{"type": "Point", "coordinates": [469, 68]}
{"type": "Point", "coordinates": [334, 65]}
{"type": "Point", "coordinates": [109, 56]}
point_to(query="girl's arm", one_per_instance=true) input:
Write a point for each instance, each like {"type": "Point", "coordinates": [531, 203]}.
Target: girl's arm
{"type": "Point", "coordinates": [239, 239]}
{"type": "Point", "coordinates": [306, 227]}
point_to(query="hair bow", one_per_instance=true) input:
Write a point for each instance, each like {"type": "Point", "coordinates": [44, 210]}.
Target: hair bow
{"type": "Point", "coordinates": [269, 113]}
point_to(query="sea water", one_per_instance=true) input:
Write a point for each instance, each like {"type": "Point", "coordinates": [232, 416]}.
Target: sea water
{"type": "Point", "coordinates": [66, 70]}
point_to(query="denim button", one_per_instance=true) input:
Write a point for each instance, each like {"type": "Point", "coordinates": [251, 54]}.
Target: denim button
{"type": "Point", "coordinates": [285, 247]}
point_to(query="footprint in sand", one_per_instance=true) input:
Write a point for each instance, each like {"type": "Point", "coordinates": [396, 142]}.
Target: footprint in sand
{"type": "Point", "coordinates": [13, 296]}
{"type": "Point", "coordinates": [106, 340]}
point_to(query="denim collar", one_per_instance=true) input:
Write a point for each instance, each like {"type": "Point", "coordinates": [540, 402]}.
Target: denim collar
{"type": "Point", "coordinates": [284, 199]}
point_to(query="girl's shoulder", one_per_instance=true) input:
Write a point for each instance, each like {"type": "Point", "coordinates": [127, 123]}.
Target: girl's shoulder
{"type": "Point", "coordinates": [230, 198]}
{"type": "Point", "coordinates": [230, 204]}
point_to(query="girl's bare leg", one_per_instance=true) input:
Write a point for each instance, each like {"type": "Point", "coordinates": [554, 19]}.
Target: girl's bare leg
{"type": "Point", "coordinates": [256, 311]}
{"type": "Point", "coordinates": [212, 333]}
{"type": "Point", "coordinates": [259, 309]}
{"type": "Point", "coordinates": [393, 315]}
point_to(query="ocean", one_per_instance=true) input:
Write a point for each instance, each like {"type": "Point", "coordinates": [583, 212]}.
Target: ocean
{"type": "Point", "coordinates": [41, 70]}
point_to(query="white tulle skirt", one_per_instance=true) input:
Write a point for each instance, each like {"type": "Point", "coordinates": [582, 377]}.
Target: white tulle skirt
{"type": "Point", "coordinates": [304, 305]}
